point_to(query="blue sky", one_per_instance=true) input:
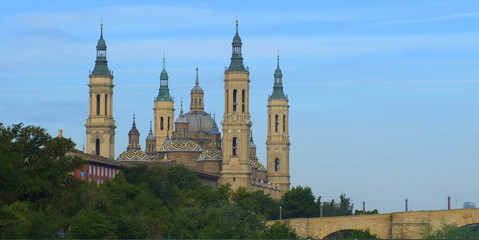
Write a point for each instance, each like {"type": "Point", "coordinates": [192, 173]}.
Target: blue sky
{"type": "Point", "coordinates": [383, 94]}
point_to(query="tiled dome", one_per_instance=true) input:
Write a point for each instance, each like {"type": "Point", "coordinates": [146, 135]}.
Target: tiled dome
{"type": "Point", "coordinates": [180, 146]}
{"type": "Point", "coordinates": [211, 155]}
{"type": "Point", "coordinates": [257, 165]}
{"type": "Point", "coordinates": [134, 155]}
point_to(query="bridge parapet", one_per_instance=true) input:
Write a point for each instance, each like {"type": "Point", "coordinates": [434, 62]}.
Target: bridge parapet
{"type": "Point", "coordinates": [400, 225]}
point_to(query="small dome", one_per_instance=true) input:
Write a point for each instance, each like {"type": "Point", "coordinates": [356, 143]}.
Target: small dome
{"type": "Point", "coordinates": [101, 44]}
{"type": "Point", "coordinates": [237, 40]}
{"type": "Point", "coordinates": [180, 146]}
{"type": "Point", "coordinates": [181, 119]}
{"type": "Point", "coordinates": [257, 165]}
{"type": "Point", "coordinates": [199, 121]}
{"type": "Point", "coordinates": [197, 89]}
{"type": "Point", "coordinates": [133, 155]}
{"type": "Point", "coordinates": [133, 131]}
{"type": "Point", "coordinates": [211, 155]}
{"type": "Point", "coordinates": [150, 137]}
{"type": "Point", "coordinates": [214, 129]}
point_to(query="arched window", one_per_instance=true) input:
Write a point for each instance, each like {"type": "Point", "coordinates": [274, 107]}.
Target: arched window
{"type": "Point", "coordinates": [235, 100]}
{"type": "Point", "coordinates": [243, 95]}
{"type": "Point", "coordinates": [227, 100]}
{"type": "Point", "coordinates": [161, 123]}
{"type": "Point", "coordinates": [168, 123]}
{"type": "Point", "coordinates": [235, 146]}
{"type": "Point", "coordinates": [98, 104]}
{"type": "Point", "coordinates": [97, 146]}
{"type": "Point", "coordinates": [276, 123]}
{"type": "Point", "coordinates": [106, 104]}
{"type": "Point", "coordinates": [276, 164]}
{"type": "Point", "coordinates": [284, 123]}
{"type": "Point", "coordinates": [269, 123]}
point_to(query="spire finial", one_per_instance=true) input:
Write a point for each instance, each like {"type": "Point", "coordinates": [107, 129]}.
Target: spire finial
{"type": "Point", "coordinates": [101, 28]}
{"type": "Point", "coordinates": [134, 122]}
{"type": "Point", "coordinates": [150, 127]}
{"type": "Point", "coordinates": [237, 24]}
{"type": "Point", "coordinates": [278, 57]}
{"type": "Point", "coordinates": [197, 82]}
{"type": "Point", "coordinates": [181, 108]}
{"type": "Point", "coordinates": [164, 58]}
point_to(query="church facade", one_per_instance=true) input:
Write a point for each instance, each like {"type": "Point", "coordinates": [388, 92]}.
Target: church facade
{"type": "Point", "coordinates": [194, 139]}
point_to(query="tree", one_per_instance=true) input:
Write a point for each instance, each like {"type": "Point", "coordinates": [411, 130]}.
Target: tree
{"type": "Point", "coordinates": [91, 224]}
{"type": "Point", "coordinates": [360, 212]}
{"type": "Point", "coordinates": [299, 203]}
{"type": "Point", "coordinates": [279, 231]}
{"type": "Point", "coordinates": [35, 166]}
{"type": "Point", "coordinates": [342, 208]}
{"type": "Point", "coordinates": [450, 231]}
{"type": "Point", "coordinates": [256, 201]}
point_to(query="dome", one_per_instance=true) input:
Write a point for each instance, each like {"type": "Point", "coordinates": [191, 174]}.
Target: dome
{"type": "Point", "coordinates": [133, 155]}
{"type": "Point", "coordinates": [181, 118]}
{"type": "Point", "coordinates": [211, 155]}
{"type": "Point", "coordinates": [257, 165]}
{"type": "Point", "coordinates": [133, 131]}
{"type": "Point", "coordinates": [214, 129]}
{"type": "Point", "coordinates": [150, 137]}
{"type": "Point", "coordinates": [199, 121]}
{"type": "Point", "coordinates": [180, 146]}
{"type": "Point", "coordinates": [237, 40]}
{"type": "Point", "coordinates": [197, 89]}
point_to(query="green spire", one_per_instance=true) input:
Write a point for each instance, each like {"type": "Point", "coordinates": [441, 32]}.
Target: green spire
{"type": "Point", "coordinates": [278, 83]}
{"type": "Point", "coordinates": [236, 64]}
{"type": "Point", "coordinates": [164, 93]}
{"type": "Point", "coordinates": [101, 64]}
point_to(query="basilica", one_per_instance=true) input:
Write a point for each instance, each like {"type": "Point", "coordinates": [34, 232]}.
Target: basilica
{"type": "Point", "coordinates": [193, 139]}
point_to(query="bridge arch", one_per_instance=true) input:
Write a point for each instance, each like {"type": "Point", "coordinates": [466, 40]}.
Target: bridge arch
{"type": "Point", "coordinates": [350, 233]}
{"type": "Point", "coordinates": [399, 225]}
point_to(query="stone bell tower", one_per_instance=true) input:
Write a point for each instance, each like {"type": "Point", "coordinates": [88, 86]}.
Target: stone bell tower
{"type": "Point", "coordinates": [163, 110]}
{"type": "Point", "coordinates": [100, 126]}
{"type": "Point", "coordinates": [236, 169]}
{"type": "Point", "coordinates": [277, 140]}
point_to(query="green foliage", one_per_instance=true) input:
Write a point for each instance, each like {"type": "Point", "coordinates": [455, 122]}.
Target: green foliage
{"type": "Point", "coordinates": [91, 224]}
{"type": "Point", "coordinates": [257, 202]}
{"type": "Point", "coordinates": [39, 198]}
{"type": "Point", "coordinates": [450, 231]}
{"type": "Point", "coordinates": [279, 231]}
{"type": "Point", "coordinates": [342, 208]}
{"type": "Point", "coordinates": [299, 203]}
{"type": "Point", "coordinates": [360, 212]}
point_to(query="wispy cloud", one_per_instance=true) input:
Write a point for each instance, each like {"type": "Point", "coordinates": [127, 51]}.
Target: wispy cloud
{"type": "Point", "coordinates": [430, 19]}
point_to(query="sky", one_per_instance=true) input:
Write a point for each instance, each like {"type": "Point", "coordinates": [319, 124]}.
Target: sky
{"type": "Point", "coordinates": [383, 94]}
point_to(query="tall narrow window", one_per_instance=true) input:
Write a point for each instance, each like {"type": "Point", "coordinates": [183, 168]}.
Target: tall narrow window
{"type": "Point", "coordinates": [161, 123]}
{"type": "Point", "coordinates": [235, 146]}
{"type": "Point", "coordinates": [235, 100]}
{"type": "Point", "coordinates": [276, 165]}
{"type": "Point", "coordinates": [269, 123]}
{"type": "Point", "coordinates": [276, 123]}
{"type": "Point", "coordinates": [168, 123]}
{"type": "Point", "coordinates": [106, 104]}
{"type": "Point", "coordinates": [98, 104]}
{"type": "Point", "coordinates": [97, 146]}
{"type": "Point", "coordinates": [243, 93]}
{"type": "Point", "coordinates": [227, 101]}
{"type": "Point", "coordinates": [284, 123]}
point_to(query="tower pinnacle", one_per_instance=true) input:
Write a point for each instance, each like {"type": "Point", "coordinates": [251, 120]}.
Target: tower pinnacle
{"type": "Point", "coordinates": [101, 64]}
{"type": "Point", "coordinates": [278, 83]}
{"type": "Point", "coordinates": [236, 64]}
{"type": "Point", "coordinates": [164, 93]}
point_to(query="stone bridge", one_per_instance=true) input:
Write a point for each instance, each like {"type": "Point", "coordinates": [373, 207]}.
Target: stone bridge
{"type": "Point", "coordinates": [400, 225]}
